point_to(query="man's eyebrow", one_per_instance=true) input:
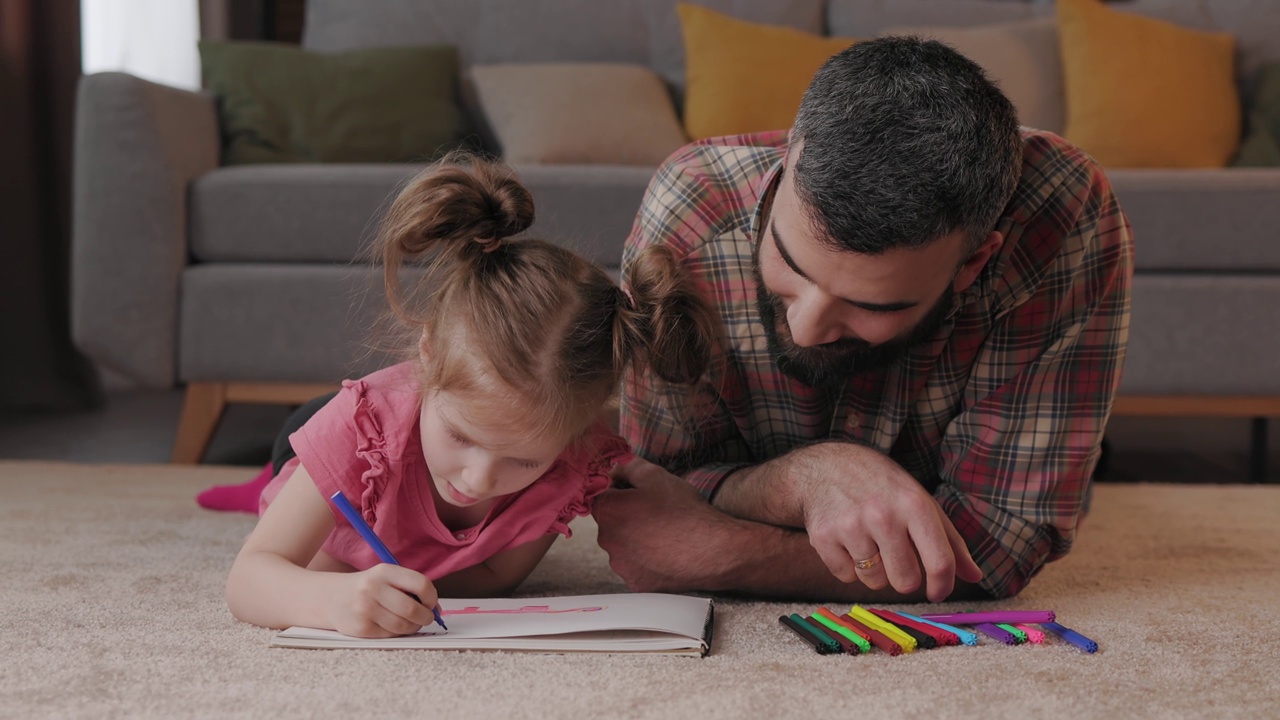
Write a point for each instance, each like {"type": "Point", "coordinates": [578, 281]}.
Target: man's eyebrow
{"type": "Point", "coordinates": [786, 256]}
{"type": "Point", "coordinates": [791, 263]}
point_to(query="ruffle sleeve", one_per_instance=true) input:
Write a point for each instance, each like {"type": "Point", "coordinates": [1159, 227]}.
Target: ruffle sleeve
{"type": "Point", "coordinates": [610, 451]}
{"type": "Point", "coordinates": [370, 447]}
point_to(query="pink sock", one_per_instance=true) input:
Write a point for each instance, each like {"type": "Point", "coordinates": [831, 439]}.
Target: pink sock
{"type": "Point", "coordinates": [236, 498]}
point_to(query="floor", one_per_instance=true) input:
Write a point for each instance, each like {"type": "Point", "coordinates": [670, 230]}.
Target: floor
{"type": "Point", "coordinates": [139, 426]}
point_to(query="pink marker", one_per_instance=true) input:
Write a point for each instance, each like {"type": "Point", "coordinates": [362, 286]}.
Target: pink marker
{"type": "Point", "coordinates": [1033, 635]}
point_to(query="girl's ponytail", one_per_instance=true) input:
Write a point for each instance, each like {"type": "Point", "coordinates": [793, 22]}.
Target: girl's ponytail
{"type": "Point", "coordinates": [664, 322]}
{"type": "Point", "coordinates": [471, 203]}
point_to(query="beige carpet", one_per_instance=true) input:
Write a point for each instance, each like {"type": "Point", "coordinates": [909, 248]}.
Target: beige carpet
{"type": "Point", "coordinates": [112, 607]}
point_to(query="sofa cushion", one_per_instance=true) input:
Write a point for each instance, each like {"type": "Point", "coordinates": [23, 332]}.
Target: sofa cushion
{"type": "Point", "coordinates": [1207, 220]}
{"type": "Point", "coordinates": [578, 113]}
{"type": "Point", "coordinates": [1202, 334]}
{"type": "Point", "coordinates": [744, 77]}
{"type": "Point", "coordinates": [1021, 57]}
{"type": "Point", "coordinates": [666, 41]}
{"type": "Point", "coordinates": [278, 103]}
{"type": "Point", "coordinates": [247, 321]}
{"type": "Point", "coordinates": [329, 213]}
{"type": "Point", "coordinates": [296, 322]}
{"type": "Point", "coordinates": [1143, 92]}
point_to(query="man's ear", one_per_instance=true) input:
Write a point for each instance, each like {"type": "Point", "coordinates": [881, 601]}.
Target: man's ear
{"type": "Point", "coordinates": [977, 260]}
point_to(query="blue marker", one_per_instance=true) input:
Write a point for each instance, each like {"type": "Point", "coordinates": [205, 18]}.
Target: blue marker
{"type": "Point", "coordinates": [366, 532]}
{"type": "Point", "coordinates": [1072, 637]}
{"type": "Point", "coordinates": [965, 636]}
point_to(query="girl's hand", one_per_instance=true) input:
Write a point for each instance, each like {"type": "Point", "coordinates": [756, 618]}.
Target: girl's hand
{"type": "Point", "coordinates": [375, 603]}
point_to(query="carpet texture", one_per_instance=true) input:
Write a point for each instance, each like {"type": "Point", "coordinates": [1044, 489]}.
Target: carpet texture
{"type": "Point", "coordinates": [112, 607]}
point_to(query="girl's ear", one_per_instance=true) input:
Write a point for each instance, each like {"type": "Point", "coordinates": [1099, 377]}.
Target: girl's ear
{"type": "Point", "coordinates": [422, 346]}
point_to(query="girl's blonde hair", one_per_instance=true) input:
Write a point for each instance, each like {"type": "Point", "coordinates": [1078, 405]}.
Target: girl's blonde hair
{"type": "Point", "coordinates": [524, 325]}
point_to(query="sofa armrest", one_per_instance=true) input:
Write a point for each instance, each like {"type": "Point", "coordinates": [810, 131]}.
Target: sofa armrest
{"type": "Point", "coordinates": [138, 145]}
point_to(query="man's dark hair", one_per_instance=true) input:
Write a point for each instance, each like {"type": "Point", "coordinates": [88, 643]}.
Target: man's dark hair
{"type": "Point", "coordinates": [905, 141]}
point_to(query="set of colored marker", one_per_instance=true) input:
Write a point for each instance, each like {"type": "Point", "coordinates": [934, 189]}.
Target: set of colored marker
{"type": "Point", "coordinates": [861, 629]}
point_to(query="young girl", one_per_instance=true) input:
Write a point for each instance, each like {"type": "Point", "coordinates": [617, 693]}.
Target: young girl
{"type": "Point", "coordinates": [470, 458]}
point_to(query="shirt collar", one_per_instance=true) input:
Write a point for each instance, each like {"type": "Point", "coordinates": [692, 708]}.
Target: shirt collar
{"type": "Point", "coordinates": [768, 187]}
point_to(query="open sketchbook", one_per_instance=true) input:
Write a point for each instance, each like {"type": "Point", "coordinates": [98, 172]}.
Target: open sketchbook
{"type": "Point", "coordinates": [624, 623]}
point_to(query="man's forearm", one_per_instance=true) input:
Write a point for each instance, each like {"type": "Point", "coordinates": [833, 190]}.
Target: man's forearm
{"type": "Point", "coordinates": [769, 492]}
{"type": "Point", "coordinates": [747, 493]}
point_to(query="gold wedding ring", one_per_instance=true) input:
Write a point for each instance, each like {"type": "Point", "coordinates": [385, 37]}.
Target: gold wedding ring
{"type": "Point", "coordinates": [868, 563]}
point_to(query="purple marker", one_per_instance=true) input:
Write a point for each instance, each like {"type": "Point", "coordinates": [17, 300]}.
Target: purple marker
{"type": "Point", "coordinates": [998, 633]}
{"type": "Point", "coordinates": [1011, 617]}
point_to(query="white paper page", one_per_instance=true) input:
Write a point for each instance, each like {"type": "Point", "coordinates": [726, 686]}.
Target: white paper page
{"type": "Point", "coordinates": [522, 617]}
{"type": "Point", "coordinates": [628, 641]}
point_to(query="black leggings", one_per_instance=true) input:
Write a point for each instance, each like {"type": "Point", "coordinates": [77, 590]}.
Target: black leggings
{"type": "Point", "coordinates": [282, 452]}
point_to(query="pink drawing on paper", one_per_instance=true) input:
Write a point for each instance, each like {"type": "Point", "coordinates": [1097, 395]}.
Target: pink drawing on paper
{"type": "Point", "coordinates": [526, 609]}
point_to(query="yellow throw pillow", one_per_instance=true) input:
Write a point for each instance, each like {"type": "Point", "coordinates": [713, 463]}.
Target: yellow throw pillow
{"type": "Point", "coordinates": [743, 77]}
{"type": "Point", "coordinates": [1143, 92]}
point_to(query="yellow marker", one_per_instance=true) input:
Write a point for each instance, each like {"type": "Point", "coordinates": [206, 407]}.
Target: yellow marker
{"type": "Point", "coordinates": [907, 642]}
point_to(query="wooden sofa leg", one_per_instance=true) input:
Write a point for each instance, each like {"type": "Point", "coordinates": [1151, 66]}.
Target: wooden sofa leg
{"type": "Point", "coordinates": [201, 410]}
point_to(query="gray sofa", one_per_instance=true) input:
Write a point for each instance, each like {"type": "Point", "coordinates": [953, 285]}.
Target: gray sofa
{"type": "Point", "coordinates": [245, 284]}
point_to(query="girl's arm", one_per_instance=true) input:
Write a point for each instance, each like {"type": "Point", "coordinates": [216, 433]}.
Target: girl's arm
{"type": "Point", "coordinates": [270, 585]}
{"type": "Point", "coordinates": [499, 575]}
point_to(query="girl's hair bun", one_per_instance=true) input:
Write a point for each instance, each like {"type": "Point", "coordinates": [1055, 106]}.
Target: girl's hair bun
{"type": "Point", "coordinates": [460, 199]}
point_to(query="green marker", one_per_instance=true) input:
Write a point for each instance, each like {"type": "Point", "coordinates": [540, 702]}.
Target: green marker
{"type": "Point", "coordinates": [863, 645]}
{"type": "Point", "coordinates": [1018, 635]}
{"type": "Point", "coordinates": [832, 645]}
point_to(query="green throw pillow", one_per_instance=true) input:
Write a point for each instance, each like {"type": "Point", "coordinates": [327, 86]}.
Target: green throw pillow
{"type": "Point", "coordinates": [1261, 144]}
{"type": "Point", "coordinates": [279, 103]}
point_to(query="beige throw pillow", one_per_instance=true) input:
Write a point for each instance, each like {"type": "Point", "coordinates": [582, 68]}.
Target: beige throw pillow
{"type": "Point", "coordinates": [578, 113]}
{"type": "Point", "coordinates": [1022, 57]}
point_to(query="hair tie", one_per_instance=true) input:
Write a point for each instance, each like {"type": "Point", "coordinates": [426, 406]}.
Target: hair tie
{"type": "Point", "coordinates": [489, 244]}
{"type": "Point", "coordinates": [631, 301]}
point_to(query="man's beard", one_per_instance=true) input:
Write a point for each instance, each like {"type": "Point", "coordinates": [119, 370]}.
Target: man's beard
{"type": "Point", "coordinates": [828, 365]}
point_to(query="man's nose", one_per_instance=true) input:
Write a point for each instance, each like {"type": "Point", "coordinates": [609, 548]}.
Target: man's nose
{"type": "Point", "coordinates": [808, 319]}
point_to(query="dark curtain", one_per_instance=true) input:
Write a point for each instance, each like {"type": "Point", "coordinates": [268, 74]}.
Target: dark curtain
{"type": "Point", "coordinates": [39, 68]}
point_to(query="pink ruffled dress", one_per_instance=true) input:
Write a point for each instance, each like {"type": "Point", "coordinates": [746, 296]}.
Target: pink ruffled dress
{"type": "Point", "coordinates": [365, 442]}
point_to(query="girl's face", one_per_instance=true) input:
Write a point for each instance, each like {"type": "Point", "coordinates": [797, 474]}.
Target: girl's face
{"type": "Point", "coordinates": [474, 458]}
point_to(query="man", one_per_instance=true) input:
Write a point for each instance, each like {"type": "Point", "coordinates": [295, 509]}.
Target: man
{"type": "Point", "coordinates": [925, 312]}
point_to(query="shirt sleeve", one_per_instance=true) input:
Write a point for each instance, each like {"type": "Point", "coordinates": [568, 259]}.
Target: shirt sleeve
{"type": "Point", "coordinates": [690, 432]}
{"type": "Point", "coordinates": [702, 446]}
{"type": "Point", "coordinates": [343, 447]}
{"type": "Point", "coordinates": [1017, 462]}
{"type": "Point", "coordinates": [592, 475]}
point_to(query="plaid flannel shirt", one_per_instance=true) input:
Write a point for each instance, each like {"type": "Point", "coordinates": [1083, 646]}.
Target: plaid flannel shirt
{"type": "Point", "coordinates": [1000, 416]}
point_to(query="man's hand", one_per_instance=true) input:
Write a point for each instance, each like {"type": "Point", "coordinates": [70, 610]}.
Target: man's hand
{"type": "Point", "coordinates": [659, 533]}
{"type": "Point", "coordinates": [870, 520]}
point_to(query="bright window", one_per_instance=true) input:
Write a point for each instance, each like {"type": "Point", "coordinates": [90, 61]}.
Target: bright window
{"type": "Point", "coordinates": [153, 39]}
